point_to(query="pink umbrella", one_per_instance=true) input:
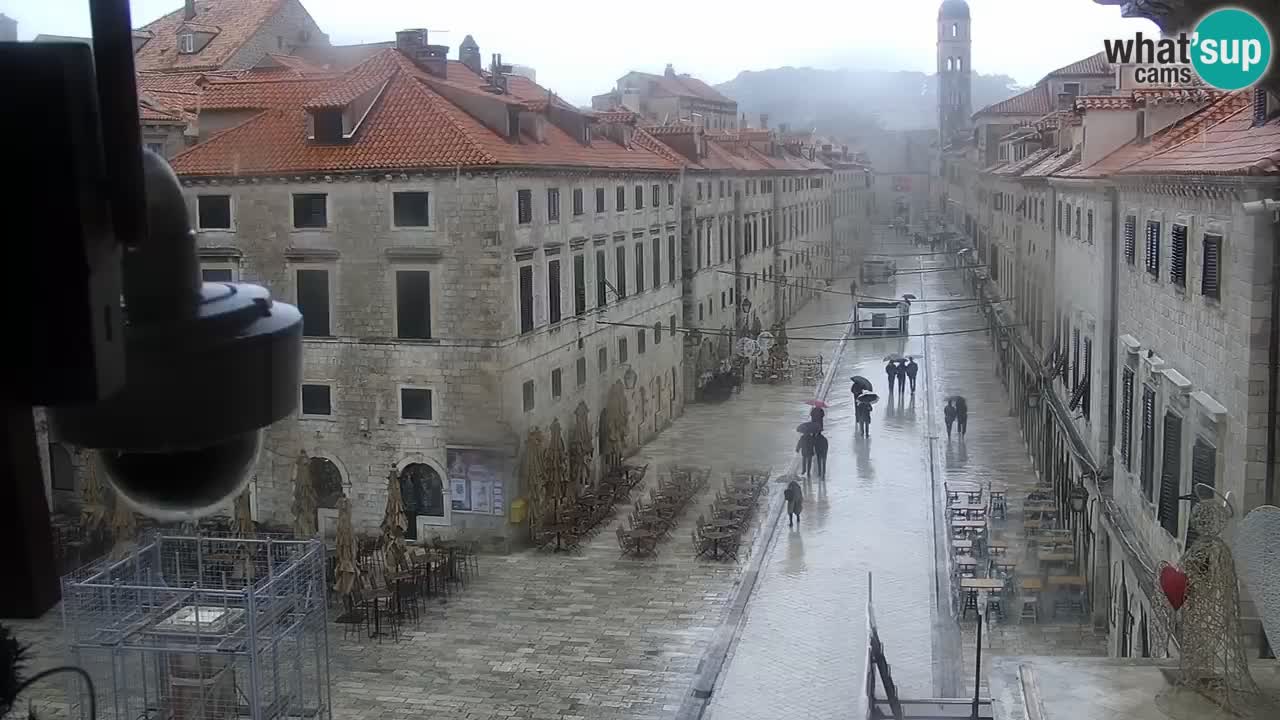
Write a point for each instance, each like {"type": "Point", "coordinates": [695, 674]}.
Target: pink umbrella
{"type": "Point", "coordinates": [817, 404]}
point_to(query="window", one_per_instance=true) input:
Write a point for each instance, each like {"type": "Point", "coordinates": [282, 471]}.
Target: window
{"type": "Point", "coordinates": [671, 258]}
{"type": "Point", "coordinates": [553, 204]}
{"type": "Point", "coordinates": [602, 360]}
{"type": "Point", "coordinates": [411, 209]}
{"type": "Point", "coordinates": [600, 200]}
{"type": "Point", "coordinates": [310, 210]}
{"type": "Point", "coordinates": [1126, 418]}
{"type": "Point", "coordinates": [187, 43]}
{"type": "Point", "coordinates": [579, 284]}
{"type": "Point", "coordinates": [553, 291]}
{"type": "Point", "coordinates": [415, 404]}
{"type": "Point", "coordinates": [413, 304]}
{"type": "Point", "coordinates": [641, 337]}
{"type": "Point", "coordinates": [526, 299]}
{"type": "Point", "coordinates": [1067, 227]}
{"type": "Point", "coordinates": [657, 333]}
{"type": "Point", "coordinates": [639, 197]}
{"type": "Point", "coordinates": [316, 400]}
{"type": "Point", "coordinates": [1210, 264]}
{"type": "Point", "coordinates": [1153, 248]}
{"type": "Point", "coordinates": [1204, 470]}
{"type": "Point", "coordinates": [656, 249]}
{"type": "Point", "coordinates": [671, 193]}
{"type": "Point", "coordinates": [524, 206]}
{"type": "Point", "coordinates": [580, 369]}
{"type": "Point", "coordinates": [1147, 471]}
{"type": "Point", "coordinates": [213, 212]}
{"type": "Point", "coordinates": [620, 272]}
{"type": "Point", "coordinates": [671, 320]}
{"type": "Point", "coordinates": [1178, 255]}
{"type": "Point", "coordinates": [157, 148]}
{"type": "Point", "coordinates": [313, 302]}
{"type": "Point", "coordinates": [527, 395]}
{"type": "Point", "coordinates": [639, 267]}
{"type": "Point", "coordinates": [622, 199]}
{"type": "Point", "coordinates": [557, 380]}
{"type": "Point", "coordinates": [699, 189]}
{"type": "Point", "coordinates": [622, 350]}
{"type": "Point", "coordinates": [1130, 238]}
{"type": "Point", "coordinates": [1170, 474]}
{"type": "Point", "coordinates": [577, 202]}
{"type": "Point", "coordinates": [1089, 228]}
{"type": "Point", "coordinates": [602, 281]}
{"type": "Point", "coordinates": [655, 195]}
{"type": "Point", "coordinates": [217, 275]}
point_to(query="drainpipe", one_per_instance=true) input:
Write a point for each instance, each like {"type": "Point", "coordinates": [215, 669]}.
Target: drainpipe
{"type": "Point", "coordinates": [1113, 315]}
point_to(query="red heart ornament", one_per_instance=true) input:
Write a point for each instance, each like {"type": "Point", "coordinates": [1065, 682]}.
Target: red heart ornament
{"type": "Point", "coordinates": [1173, 581]}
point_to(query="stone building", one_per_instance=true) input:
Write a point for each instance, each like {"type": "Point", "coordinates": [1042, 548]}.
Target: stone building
{"type": "Point", "coordinates": [206, 35]}
{"type": "Point", "coordinates": [760, 232]}
{"type": "Point", "coordinates": [955, 76]}
{"type": "Point", "coordinates": [669, 99]}
{"type": "Point", "coordinates": [473, 258]}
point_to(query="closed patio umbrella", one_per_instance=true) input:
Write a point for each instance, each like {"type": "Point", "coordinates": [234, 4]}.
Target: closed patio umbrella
{"type": "Point", "coordinates": [345, 573]}
{"type": "Point", "coordinates": [394, 552]}
{"type": "Point", "coordinates": [304, 499]}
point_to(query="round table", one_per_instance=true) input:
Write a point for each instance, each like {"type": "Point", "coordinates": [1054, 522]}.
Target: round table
{"type": "Point", "coordinates": [715, 536]}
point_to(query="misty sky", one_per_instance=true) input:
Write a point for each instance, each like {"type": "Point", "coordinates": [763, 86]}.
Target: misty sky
{"type": "Point", "coordinates": [580, 48]}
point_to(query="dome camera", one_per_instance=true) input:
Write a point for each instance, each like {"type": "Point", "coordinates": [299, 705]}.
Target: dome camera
{"type": "Point", "coordinates": [208, 365]}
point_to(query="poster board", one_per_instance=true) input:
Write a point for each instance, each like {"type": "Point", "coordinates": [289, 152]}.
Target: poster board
{"type": "Point", "coordinates": [477, 480]}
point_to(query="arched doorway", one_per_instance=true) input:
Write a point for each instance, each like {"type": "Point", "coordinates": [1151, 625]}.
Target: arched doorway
{"type": "Point", "coordinates": [422, 492]}
{"type": "Point", "coordinates": [326, 478]}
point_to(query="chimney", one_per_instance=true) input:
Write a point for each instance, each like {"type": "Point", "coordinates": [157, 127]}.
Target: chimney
{"type": "Point", "coordinates": [764, 121]}
{"type": "Point", "coordinates": [189, 10]}
{"type": "Point", "coordinates": [469, 54]}
{"type": "Point", "coordinates": [432, 58]}
{"type": "Point", "coordinates": [670, 71]}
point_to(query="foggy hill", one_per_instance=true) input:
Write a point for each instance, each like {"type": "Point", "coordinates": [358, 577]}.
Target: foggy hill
{"type": "Point", "coordinates": [848, 103]}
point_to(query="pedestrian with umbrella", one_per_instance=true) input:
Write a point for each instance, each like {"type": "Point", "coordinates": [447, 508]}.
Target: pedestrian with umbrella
{"type": "Point", "coordinates": [949, 415]}
{"type": "Point", "coordinates": [805, 447]}
{"type": "Point", "coordinates": [795, 502]}
{"type": "Point", "coordinates": [912, 369]}
{"type": "Point", "coordinates": [860, 385]}
{"type": "Point", "coordinates": [853, 290]}
{"type": "Point", "coordinates": [817, 412]}
{"type": "Point", "coordinates": [820, 445]}
{"type": "Point", "coordinates": [891, 372]}
{"type": "Point", "coordinates": [902, 378]}
{"type": "Point", "coordinates": [962, 415]}
{"type": "Point", "coordinates": [862, 412]}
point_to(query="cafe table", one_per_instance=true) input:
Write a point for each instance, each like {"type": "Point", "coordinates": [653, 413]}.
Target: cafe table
{"type": "Point", "coordinates": [715, 536]}
{"type": "Point", "coordinates": [646, 540]}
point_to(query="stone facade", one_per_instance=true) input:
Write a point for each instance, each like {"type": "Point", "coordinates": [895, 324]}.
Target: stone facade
{"type": "Point", "coordinates": [478, 364]}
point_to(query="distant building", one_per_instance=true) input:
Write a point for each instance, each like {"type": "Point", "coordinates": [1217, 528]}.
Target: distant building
{"type": "Point", "coordinates": [525, 71]}
{"type": "Point", "coordinates": [8, 29]}
{"type": "Point", "coordinates": [955, 77]}
{"type": "Point", "coordinates": [224, 35]}
{"type": "Point", "coordinates": [669, 99]}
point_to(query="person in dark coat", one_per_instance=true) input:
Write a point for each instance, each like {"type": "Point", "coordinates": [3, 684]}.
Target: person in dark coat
{"type": "Point", "coordinates": [820, 453]}
{"type": "Point", "coordinates": [816, 415]}
{"type": "Point", "coordinates": [912, 368]}
{"type": "Point", "coordinates": [863, 416]}
{"type": "Point", "coordinates": [949, 415]}
{"type": "Point", "coordinates": [805, 447]}
{"type": "Point", "coordinates": [853, 290]}
{"type": "Point", "coordinates": [902, 378]}
{"type": "Point", "coordinates": [962, 416]}
{"type": "Point", "coordinates": [795, 502]}
{"type": "Point", "coordinates": [891, 372]}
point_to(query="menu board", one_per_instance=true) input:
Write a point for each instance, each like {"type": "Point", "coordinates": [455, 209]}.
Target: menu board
{"type": "Point", "coordinates": [476, 481]}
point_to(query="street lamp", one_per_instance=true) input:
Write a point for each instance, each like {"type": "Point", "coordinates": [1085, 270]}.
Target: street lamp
{"type": "Point", "coordinates": [1078, 497]}
{"type": "Point", "coordinates": [1033, 400]}
{"type": "Point", "coordinates": [1004, 341]}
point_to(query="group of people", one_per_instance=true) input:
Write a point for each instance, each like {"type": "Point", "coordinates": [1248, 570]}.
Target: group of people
{"type": "Point", "coordinates": [902, 372]}
{"type": "Point", "coordinates": [812, 446]}
{"type": "Point", "coordinates": [956, 413]}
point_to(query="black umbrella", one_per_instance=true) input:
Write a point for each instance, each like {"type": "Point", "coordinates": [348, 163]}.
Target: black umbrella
{"type": "Point", "coordinates": [894, 357]}
{"type": "Point", "coordinates": [869, 398]}
{"type": "Point", "coordinates": [908, 297]}
{"type": "Point", "coordinates": [806, 428]}
{"type": "Point", "coordinates": [861, 382]}
{"type": "Point", "coordinates": [954, 398]}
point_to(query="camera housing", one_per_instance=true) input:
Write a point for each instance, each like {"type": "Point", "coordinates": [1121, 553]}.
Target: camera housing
{"type": "Point", "coordinates": [208, 365]}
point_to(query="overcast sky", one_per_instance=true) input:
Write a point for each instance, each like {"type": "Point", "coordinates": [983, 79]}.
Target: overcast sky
{"type": "Point", "coordinates": [579, 48]}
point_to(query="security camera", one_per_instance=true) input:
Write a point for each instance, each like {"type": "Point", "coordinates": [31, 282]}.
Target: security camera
{"type": "Point", "coordinates": [1259, 207]}
{"type": "Point", "coordinates": [207, 366]}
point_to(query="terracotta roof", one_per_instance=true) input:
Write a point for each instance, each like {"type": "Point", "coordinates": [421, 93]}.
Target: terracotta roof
{"type": "Point", "coordinates": [410, 126]}
{"type": "Point", "coordinates": [341, 57]}
{"type": "Point", "coordinates": [1030, 102]}
{"type": "Point", "coordinates": [234, 20]}
{"type": "Point", "coordinates": [683, 129]}
{"type": "Point", "coordinates": [1224, 142]}
{"type": "Point", "coordinates": [684, 86]}
{"type": "Point", "coordinates": [1092, 65]}
{"type": "Point", "coordinates": [1052, 121]}
{"type": "Point", "coordinates": [260, 94]}
{"type": "Point", "coordinates": [1053, 164]}
{"type": "Point", "coordinates": [274, 64]}
{"type": "Point", "coordinates": [177, 81]}
{"type": "Point", "coordinates": [1105, 102]}
{"type": "Point", "coordinates": [616, 116]}
{"type": "Point", "coordinates": [1165, 96]}
{"type": "Point", "coordinates": [1020, 166]}
{"type": "Point", "coordinates": [1132, 151]}
{"type": "Point", "coordinates": [160, 108]}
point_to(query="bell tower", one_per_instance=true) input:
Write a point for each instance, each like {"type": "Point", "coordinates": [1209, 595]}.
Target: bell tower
{"type": "Point", "coordinates": [954, 41]}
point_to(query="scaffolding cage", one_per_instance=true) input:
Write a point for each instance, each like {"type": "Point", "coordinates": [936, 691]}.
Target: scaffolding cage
{"type": "Point", "coordinates": [208, 627]}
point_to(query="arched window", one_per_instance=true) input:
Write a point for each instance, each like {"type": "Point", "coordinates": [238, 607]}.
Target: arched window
{"type": "Point", "coordinates": [421, 493]}
{"type": "Point", "coordinates": [955, 29]}
{"type": "Point", "coordinates": [948, 63]}
{"type": "Point", "coordinates": [327, 480]}
{"type": "Point", "coordinates": [959, 64]}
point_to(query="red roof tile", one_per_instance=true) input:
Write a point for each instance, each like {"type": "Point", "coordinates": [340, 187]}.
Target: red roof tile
{"type": "Point", "coordinates": [1105, 102]}
{"type": "Point", "coordinates": [1030, 102]}
{"type": "Point", "coordinates": [235, 20]}
{"type": "Point", "coordinates": [1164, 96]}
{"type": "Point", "coordinates": [291, 65]}
{"type": "Point", "coordinates": [1020, 166]}
{"type": "Point", "coordinates": [1223, 142]}
{"type": "Point", "coordinates": [1092, 65]}
{"type": "Point", "coordinates": [410, 126]}
{"type": "Point", "coordinates": [1053, 164]}
{"type": "Point", "coordinates": [177, 81]}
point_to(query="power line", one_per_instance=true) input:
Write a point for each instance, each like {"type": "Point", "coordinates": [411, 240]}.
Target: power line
{"type": "Point", "coordinates": [731, 333]}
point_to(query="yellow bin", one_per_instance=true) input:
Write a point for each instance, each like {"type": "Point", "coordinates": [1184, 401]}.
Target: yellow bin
{"type": "Point", "coordinates": [519, 511]}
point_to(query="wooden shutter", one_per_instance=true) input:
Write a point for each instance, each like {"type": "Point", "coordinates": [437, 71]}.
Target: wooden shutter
{"type": "Point", "coordinates": [657, 261]}
{"type": "Point", "coordinates": [1130, 238]}
{"type": "Point", "coordinates": [1178, 255]}
{"type": "Point", "coordinates": [579, 284]}
{"type": "Point", "coordinates": [553, 291]}
{"type": "Point", "coordinates": [620, 286]}
{"type": "Point", "coordinates": [639, 266]}
{"type": "Point", "coordinates": [1171, 474]}
{"type": "Point", "coordinates": [526, 298]}
{"type": "Point", "coordinates": [1204, 461]}
{"type": "Point", "coordinates": [1126, 419]}
{"type": "Point", "coordinates": [602, 280]}
{"type": "Point", "coordinates": [1259, 106]}
{"type": "Point", "coordinates": [1210, 267]}
{"type": "Point", "coordinates": [1153, 248]}
{"type": "Point", "coordinates": [1075, 359]}
{"type": "Point", "coordinates": [1086, 384]}
{"type": "Point", "coordinates": [1148, 440]}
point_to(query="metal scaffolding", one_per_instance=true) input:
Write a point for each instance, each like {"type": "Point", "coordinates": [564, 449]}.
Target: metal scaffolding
{"type": "Point", "coordinates": [202, 628]}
